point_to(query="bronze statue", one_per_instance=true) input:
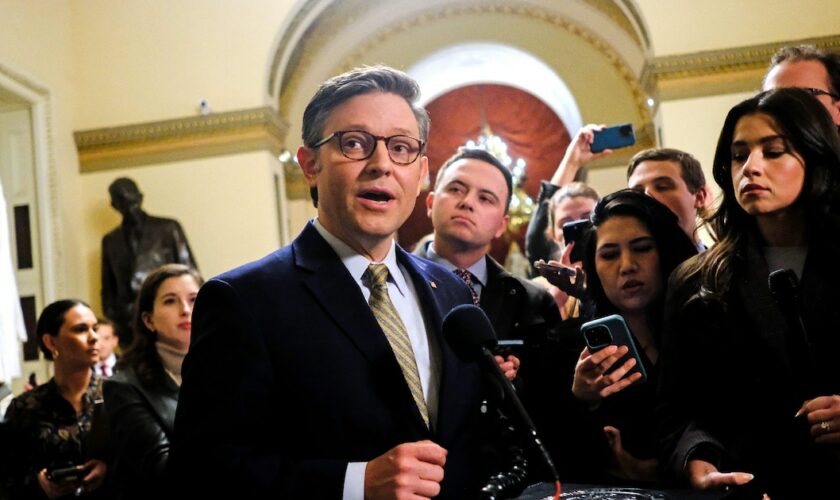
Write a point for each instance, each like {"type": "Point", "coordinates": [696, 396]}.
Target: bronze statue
{"type": "Point", "coordinates": [130, 251]}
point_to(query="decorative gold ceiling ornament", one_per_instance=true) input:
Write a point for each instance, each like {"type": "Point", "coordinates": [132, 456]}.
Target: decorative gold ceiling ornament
{"type": "Point", "coordinates": [713, 72]}
{"type": "Point", "coordinates": [181, 139]}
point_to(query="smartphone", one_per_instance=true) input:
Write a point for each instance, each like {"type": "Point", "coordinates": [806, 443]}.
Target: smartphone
{"type": "Point", "coordinates": [617, 136]}
{"type": "Point", "coordinates": [572, 232]}
{"type": "Point", "coordinates": [504, 348]}
{"type": "Point", "coordinates": [612, 330]}
{"type": "Point", "coordinates": [66, 474]}
{"type": "Point", "coordinates": [549, 270]}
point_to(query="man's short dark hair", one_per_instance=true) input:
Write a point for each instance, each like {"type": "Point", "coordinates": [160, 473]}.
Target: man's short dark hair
{"type": "Point", "coordinates": [796, 53]}
{"type": "Point", "coordinates": [465, 153]}
{"type": "Point", "coordinates": [690, 169]}
{"type": "Point", "coordinates": [364, 80]}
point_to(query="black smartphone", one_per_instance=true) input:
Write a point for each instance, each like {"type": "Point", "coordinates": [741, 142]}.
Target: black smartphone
{"type": "Point", "coordinates": [504, 348]}
{"type": "Point", "coordinates": [617, 136]}
{"type": "Point", "coordinates": [612, 330]}
{"type": "Point", "coordinates": [73, 473]}
{"type": "Point", "coordinates": [549, 270]}
{"type": "Point", "coordinates": [572, 232]}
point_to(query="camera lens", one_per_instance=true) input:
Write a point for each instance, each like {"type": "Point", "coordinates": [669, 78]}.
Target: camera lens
{"type": "Point", "coordinates": [598, 336]}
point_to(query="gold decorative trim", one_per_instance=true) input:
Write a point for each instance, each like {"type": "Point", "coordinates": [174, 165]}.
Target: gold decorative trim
{"type": "Point", "coordinates": [181, 139]}
{"type": "Point", "coordinates": [713, 72]}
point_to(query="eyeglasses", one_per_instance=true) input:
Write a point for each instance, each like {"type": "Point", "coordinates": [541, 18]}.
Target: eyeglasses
{"type": "Point", "coordinates": [360, 145]}
{"type": "Point", "coordinates": [818, 92]}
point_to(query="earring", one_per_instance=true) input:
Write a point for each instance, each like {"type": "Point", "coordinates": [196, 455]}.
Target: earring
{"type": "Point", "coordinates": [55, 354]}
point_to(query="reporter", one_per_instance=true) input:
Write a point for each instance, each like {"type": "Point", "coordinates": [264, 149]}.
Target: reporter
{"type": "Point", "coordinates": [58, 424]}
{"type": "Point", "coordinates": [141, 398]}
{"type": "Point", "coordinates": [634, 244]}
{"type": "Point", "coordinates": [743, 393]}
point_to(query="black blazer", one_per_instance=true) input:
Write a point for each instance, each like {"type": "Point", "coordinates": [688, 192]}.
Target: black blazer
{"type": "Point", "coordinates": [141, 419]}
{"type": "Point", "coordinates": [289, 377]}
{"type": "Point", "coordinates": [732, 381]}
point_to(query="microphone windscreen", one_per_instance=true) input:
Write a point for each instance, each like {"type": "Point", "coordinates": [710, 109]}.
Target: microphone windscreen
{"type": "Point", "coordinates": [467, 329]}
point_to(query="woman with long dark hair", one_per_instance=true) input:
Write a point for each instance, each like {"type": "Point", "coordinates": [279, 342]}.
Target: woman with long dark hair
{"type": "Point", "coordinates": [750, 381]}
{"type": "Point", "coordinates": [141, 398]}
{"type": "Point", "coordinates": [634, 244]}
{"type": "Point", "coordinates": [58, 425]}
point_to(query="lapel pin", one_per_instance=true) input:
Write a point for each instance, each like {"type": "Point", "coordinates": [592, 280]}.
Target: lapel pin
{"type": "Point", "coordinates": [434, 285]}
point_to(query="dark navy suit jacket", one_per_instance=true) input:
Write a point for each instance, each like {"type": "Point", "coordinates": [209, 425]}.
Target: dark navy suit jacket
{"type": "Point", "coordinates": [289, 377]}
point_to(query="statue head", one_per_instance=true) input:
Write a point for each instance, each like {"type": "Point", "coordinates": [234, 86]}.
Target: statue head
{"type": "Point", "coordinates": [126, 198]}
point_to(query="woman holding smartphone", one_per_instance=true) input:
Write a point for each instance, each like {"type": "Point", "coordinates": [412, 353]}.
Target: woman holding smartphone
{"type": "Point", "coordinates": [750, 383]}
{"type": "Point", "coordinates": [142, 396]}
{"type": "Point", "coordinates": [634, 244]}
{"type": "Point", "coordinates": [59, 425]}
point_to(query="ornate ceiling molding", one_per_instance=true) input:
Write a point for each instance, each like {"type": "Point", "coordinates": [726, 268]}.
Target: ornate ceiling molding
{"type": "Point", "coordinates": [722, 71]}
{"type": "Point", "coordinates": [181, 139]}
{"type": "Point", "coordinates": [640, 96]}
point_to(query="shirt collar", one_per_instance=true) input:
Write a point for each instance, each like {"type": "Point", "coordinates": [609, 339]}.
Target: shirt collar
{"type": "Point", "coordinates": [357, 264]}
{"type": "Point", "coordinates": [478, 270]}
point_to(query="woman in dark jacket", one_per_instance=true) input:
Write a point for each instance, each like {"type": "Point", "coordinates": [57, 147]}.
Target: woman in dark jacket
{"type": "Point", "coordinates": [141, 398]}
{"type": "Point", "coordinates": [59, 425]}
{"type": "Point", "coordinates": [634, 244]}
{"type": "Point", "coordinates": [749, 381]}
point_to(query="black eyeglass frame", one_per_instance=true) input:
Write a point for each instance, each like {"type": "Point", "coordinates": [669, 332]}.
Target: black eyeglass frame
{"type": "Point", "coordinates": [818, 92]}
{"type": "Point", "coordinates": [377, 138]}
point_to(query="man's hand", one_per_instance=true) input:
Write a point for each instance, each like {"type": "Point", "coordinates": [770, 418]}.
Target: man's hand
{"type": "Point", "coordinates": [98, 469]}
{"type": "Point", "coordinates": [703, 476]}
{"type": "Point", "coordinates": [509, 366]}
{"type": "Point", "coordinates": [410, 470]}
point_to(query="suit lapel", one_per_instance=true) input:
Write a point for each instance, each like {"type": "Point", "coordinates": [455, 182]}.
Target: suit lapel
{"type": "Point", "coordinates": [452, 375]}
{"type": "Point", "coordinates": [339, 295]}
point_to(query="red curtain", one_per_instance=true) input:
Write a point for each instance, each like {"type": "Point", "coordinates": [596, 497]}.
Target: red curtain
{"type": "Point", "coordinates": [531, 130]}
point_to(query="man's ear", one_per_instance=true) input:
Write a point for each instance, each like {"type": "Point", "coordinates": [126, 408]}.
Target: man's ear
{"type": "Point", "coordinates": [308, 160]}
{"type": "Point", "coordinates": [502, 227]}
{"type": "Point", "coordinates": [702, 197]}
{"type": "Point", "coordinates": [430, 199]}
{"type": "Point", "coordinates": [424, 173]}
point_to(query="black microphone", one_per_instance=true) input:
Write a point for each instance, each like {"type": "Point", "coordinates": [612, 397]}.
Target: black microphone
{"type": "Point", "coordinates": [470, 334]}
{"type": "Point", "coordinates": [784, 287]}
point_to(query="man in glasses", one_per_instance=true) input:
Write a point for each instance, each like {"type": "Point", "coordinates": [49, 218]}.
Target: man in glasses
{"type": "Point", "coordinates": [809, 68]}
{"type": "Point", "coordinates": [320, 371]}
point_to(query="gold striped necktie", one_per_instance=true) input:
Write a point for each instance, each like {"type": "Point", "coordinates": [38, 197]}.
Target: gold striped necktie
{"type": "Point", "coordinates": [389, 320]}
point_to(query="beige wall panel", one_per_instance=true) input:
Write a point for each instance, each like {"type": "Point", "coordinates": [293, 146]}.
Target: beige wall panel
{"type": "Point", "coordinates": [150, 60]}
{"type": "Point", "coordinates": [683, 26]}
{"type": "Point", "coordinates": [693, 125]}
{"type": "Point", "coordinates": [226, 206]}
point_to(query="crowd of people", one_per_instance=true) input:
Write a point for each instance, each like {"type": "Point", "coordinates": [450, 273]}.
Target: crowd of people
{"type": "Point", "coordinates": [326, 370]}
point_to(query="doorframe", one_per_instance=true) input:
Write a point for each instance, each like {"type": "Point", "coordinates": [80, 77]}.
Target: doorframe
{"type": "Point", "coordinates": [46, 193]}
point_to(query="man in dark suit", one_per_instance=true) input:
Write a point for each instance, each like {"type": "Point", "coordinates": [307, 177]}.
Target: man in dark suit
{"type": "Point", "coordinates": [296, 385]}
{"type": "Point", "coordinates": [140, 244]}
{"type": "Point", "coordinates": [468, 208]}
